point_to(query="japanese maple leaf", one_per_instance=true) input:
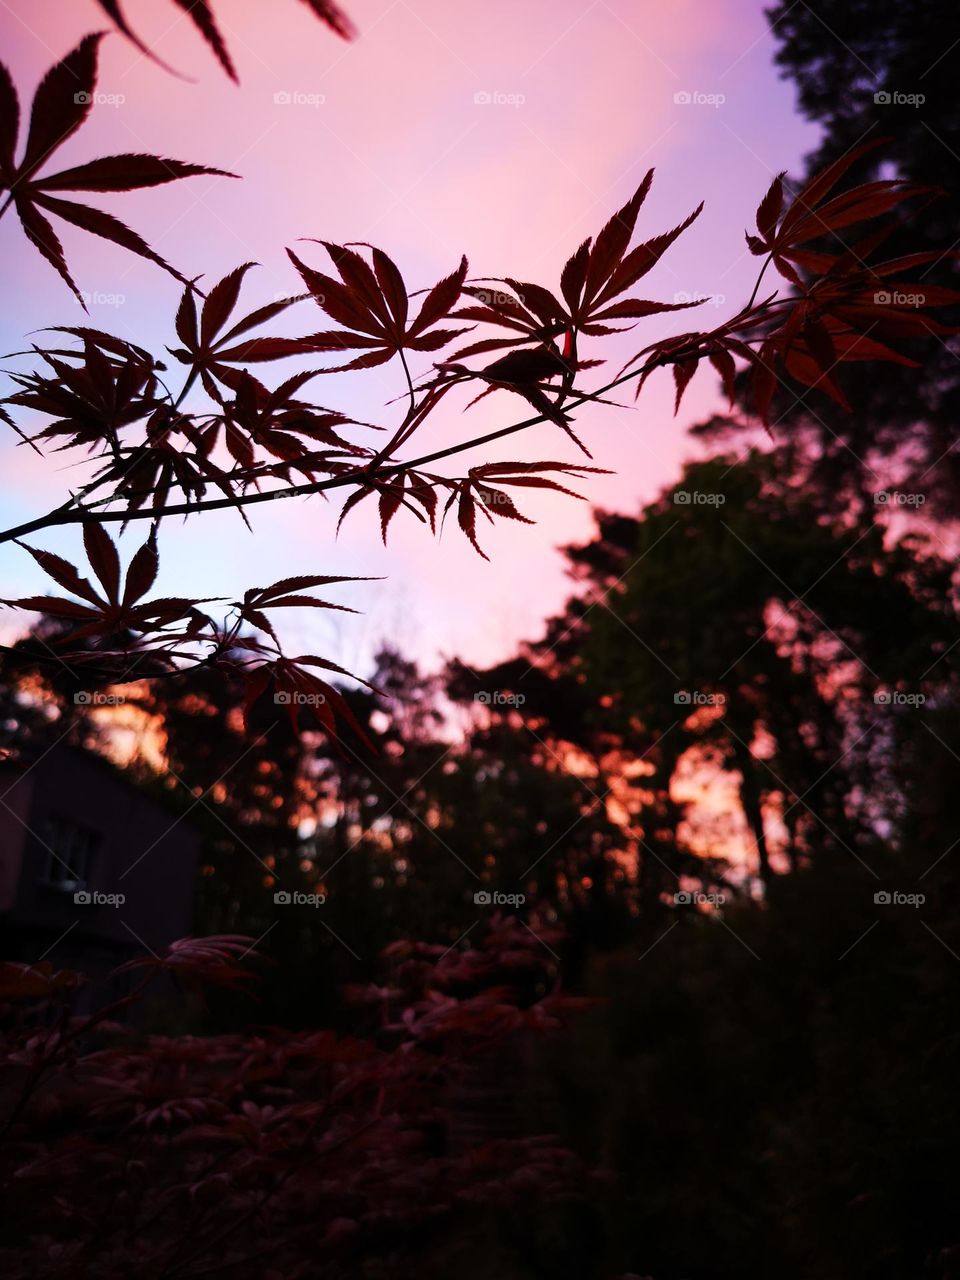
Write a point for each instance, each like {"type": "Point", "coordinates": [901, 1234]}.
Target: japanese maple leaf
{"type": "Point", "coordinates": [475, 492]}
{"type": "Point", "coordinates": [525, 372]}
{"type": "Point", "coordinates": [60, 106]}
{"type": "Point", "coordinates": [373, 303]}
{"type": "Point", "coordinates": [810, 216]}
{"type": "Point", "coordinates": [591, 283]}
{"type": "Point", "coordinates": [210, 352]}
{"type": "Point", "coordinates": [114, 608]}
{"type": "Point", "coordinates": [305, 697]}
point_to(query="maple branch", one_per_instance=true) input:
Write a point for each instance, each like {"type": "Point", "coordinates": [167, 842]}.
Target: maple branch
{"type": "Point", "coordinates": [65, 514]}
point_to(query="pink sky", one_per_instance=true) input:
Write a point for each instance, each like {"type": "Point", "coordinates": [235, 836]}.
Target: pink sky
{"type": "Point", "coordinates": [388, 145]}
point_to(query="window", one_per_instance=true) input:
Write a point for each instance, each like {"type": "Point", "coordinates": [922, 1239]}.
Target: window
{"type": "Point", "coordinates": [68, 848]}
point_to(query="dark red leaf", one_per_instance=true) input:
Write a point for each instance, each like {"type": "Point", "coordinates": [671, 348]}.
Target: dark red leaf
{"type": "Point", "coordinates": [821, 184]}
{"type": "Point", "coordinates": [40, 234]}
{"type": "Point", "coordinates": [141, 572]}
{"type": "Point", "coordinates": [199, 11]}
{"type": "Point", "coordinates": [113, 11]}
{"type": "Point", "coordinates": [60, 106]}
{"type": "Point", "coordinates": [103, 558]}
{"type": "Point", "coordinates": [770, 207]}
{"type": "Point", "coordinates": [186, 322]}
{"type": "Point", "coordinates": [220, 302]}
{"type": "Point", "coordinates": [683, 371]}
{"type": "Point", "coordinates": [439, 300]}
{"type": "Point", "coordinates": [261, 315]}
{"type": "Point", "coordinates": [467, 519]}
{"type": "Point", "coordinates": [639, 308]}
{"type": "Point", "coordinates": [725, 365]}
{"type": "Point", "coordinates": [391, 496]}
{"type": "Point", "coordinates": [336, 300]}
{"type": "Point", "coordinates": [391, 283]}
{"type": "Point", "coordinates": [106, 226]}
{"type": "Point", "coordinates": [333, 16]}
{"type": "Point", "coordinates": [63, 573]}
{"type": "Point", "coordinates": [574, 274]}
{"type": "Point", "coordinates": [62, 102]}
{"type": "Point", "coordinates": [9, 124]}
{"type": "Point", "coordinates": [359, 278]}
{"type": "Point", "coordinates": [130, 172]}
{"type": "Point", "coordinates": [763, 384]}
{"type": "Point", "coordinates": [643, 259]}
{"type": "Point", "coordinates": [611, 244]}
{"type": "Point", "coordinates": [55, 606]}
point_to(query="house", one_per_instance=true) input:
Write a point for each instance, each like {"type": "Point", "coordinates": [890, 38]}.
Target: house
{"type": "Point", "coordinates": [93, 870]}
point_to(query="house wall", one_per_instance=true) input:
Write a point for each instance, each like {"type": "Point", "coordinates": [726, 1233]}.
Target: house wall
{"type": "Point", "coordinates": [142, 852]}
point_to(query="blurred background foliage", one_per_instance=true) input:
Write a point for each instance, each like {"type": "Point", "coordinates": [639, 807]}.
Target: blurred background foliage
{"type": "Point", "coordinates": [771, 1081]}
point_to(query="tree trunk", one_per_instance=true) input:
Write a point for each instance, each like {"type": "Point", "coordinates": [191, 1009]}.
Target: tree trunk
{"type": "Point", "coordinates": [750, 800]}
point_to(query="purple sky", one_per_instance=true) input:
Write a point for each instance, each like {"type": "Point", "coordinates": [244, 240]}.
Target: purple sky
{"type": "Point", "coordinates": [383, 141]}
